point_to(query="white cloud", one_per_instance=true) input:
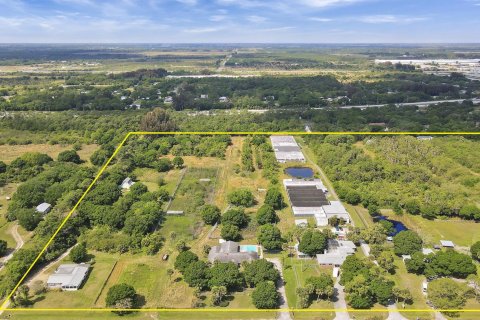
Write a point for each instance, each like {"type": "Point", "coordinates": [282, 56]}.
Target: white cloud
{"type": "Point", "coordinates": [388, 18]}
{"type": "Point", "coordinates": [277, 29]}
{"type": "Point", "coordinates": [217, 17]}
{"type": "Point", "coordinates": [320, 19]}
{"type": "Point", "coordinates": [245, 3]}
{"type": "Point", "coordinates": [188, 2]}
{"type": "Point", "coordinates": [328, 3]}
{"type": "Point", "coordinates": [256, 19]}
{"type": "Point", "coordinates": [16, 5]}
{"type": "Point", "coordinates": [203, 30]}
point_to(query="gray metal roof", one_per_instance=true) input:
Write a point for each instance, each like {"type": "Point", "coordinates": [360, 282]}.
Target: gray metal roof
{"type": "Point", "coordinates": [69, 275]}
{"type": "Point", "coordinates": [43, 207]}
{"type": "Point", "coordinates": [229, 251]}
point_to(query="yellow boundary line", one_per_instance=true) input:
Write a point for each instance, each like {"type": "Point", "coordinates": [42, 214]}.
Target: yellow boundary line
{"type": "Point", "coordinates": [5, 303]}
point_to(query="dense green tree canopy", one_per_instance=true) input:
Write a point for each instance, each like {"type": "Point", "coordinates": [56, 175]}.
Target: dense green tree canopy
{"type": "Point", "coordinates": [79, 253]}
{"type": "Point", "coordinates": [274, 198]}
{"type": "Point", "coordinates": [445, 293]}
{"type": "Point", "coordinates": [227, 275]}
{"type": "Point", "coordinates": [210, 214]}
{"type": "Point", "coordinates": [407, 242]}
{"type": "Point", "coordinates": [230, 232]}
{"type": "Point", "coordinates": [312, 242]}
{"type": "Point", "coordinates": [236, 217]}
{"type": "Point", "coordinates": [197, 274]}
{"type": "Point", "coordinates": [475, 250]}
{"type": "Point", "coordinates": [121, 296]}
{"type": "Point", "coordinates": [185, 259]}
{"type": "Point", "coordinates": [450, 263]}
{"type": "Point", "coordinates": [69, 156]}
{"type": "Point", "coordinates": [269, 237]}
{"type": "Point", "coordinates": [265, 296]}
{"type": "Point", "coordinates": [259, 271]}
{"type": "Point", "coordinates": [266, 214]}
{"type": "Point", "coordinates": [241, 197]}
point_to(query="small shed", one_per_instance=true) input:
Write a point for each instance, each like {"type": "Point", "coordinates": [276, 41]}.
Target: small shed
{"type": "Point", "coordinates": [43, 208]}
{"type": "Point", "coordinates": [175, 212]}
{"type": "Point", "coordinates": [447, 244]}
{"type": "Point", "coordinates": [427, 251]}
{"type": "Point", "coordinates": [406, 257]}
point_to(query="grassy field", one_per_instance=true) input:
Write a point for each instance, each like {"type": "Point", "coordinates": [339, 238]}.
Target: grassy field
{"type": "Point", "coordinates": [151, 178]}
{"type": "Point", "coordinates": [461, 232]}
{"type": "Point", "coordinates": [147, 274]}
{"type": "Point", "coordinates": [10, 153]}
{"type": "Point", "coordinates": [5, 226]}
{"type": "Point", "coordinates": [208, 315]}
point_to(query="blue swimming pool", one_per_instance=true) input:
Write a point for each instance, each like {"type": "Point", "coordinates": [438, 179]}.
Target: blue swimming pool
{"type": "Point", "coordinates": [299, 172]}
{"type": "Point", "coordinates": [248, 248]}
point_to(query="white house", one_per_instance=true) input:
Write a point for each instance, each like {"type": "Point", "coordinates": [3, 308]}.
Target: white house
{"type": "Point", "coordinates": [337, 252]}
{"type": "Point", "coordinates": [68, 277]}
{"type": "Point", "coordinates": [43, 208]}
{"type": "Point", "coordinates": [127, 183]}
{"type": "Point", "coordinates": [223, 99]}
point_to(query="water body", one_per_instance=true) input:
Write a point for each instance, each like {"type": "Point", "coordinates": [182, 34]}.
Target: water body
{"type": "Point", "coordinates": [397, 225]}
{"type": "Point", "coordinates": [300, 172]}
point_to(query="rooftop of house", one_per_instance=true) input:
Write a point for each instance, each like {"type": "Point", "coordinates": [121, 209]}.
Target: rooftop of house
{"type": "Point", "coordinates": [43, 207]}
{"type": "Point", "coordinates": [337, 252]}
{"type": "Point", "coordinates": [69, 275]}
{"type": "Point", "coordinates": [229, 251]}
{"type": "Point", "coordinates": [335, 207]}
{"type": "Point", "coordinates": [127, 182]}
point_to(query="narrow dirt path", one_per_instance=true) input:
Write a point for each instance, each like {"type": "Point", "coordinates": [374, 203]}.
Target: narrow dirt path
{"type": "Point", "coordinates": [323, 176]}
{"type": "Point", "coordinates": [19, 240]}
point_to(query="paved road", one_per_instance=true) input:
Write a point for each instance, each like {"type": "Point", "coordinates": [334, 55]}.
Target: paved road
{"type": "Point", "coordinates": [18, 239]}
{"type": "Point", "coordinates": [405, 104]}
{"type": "Point", "coordinates": [339, 302]}
{"type": "Point", "coordinates": [283, 315]}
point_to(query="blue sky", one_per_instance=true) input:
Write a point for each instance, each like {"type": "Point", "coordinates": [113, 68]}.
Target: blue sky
{"type": "Point", "coordinates": [309, 21]}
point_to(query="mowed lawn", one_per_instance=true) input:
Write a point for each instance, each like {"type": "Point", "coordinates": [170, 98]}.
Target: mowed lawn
{"type": "Point", "coordinates": [295, 273]}
{"type": "Point", "coordinates": [9, 153]}
{"type": "Point", "coordinates": [86, 296]}
{"type": "Point", "coordinates": [107, 315]}
{"type": "Point", "coordinates": [148, 275]}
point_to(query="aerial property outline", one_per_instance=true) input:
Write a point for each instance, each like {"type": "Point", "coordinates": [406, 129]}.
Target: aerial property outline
{"type": "Point", "coordinates": [5, 305]}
